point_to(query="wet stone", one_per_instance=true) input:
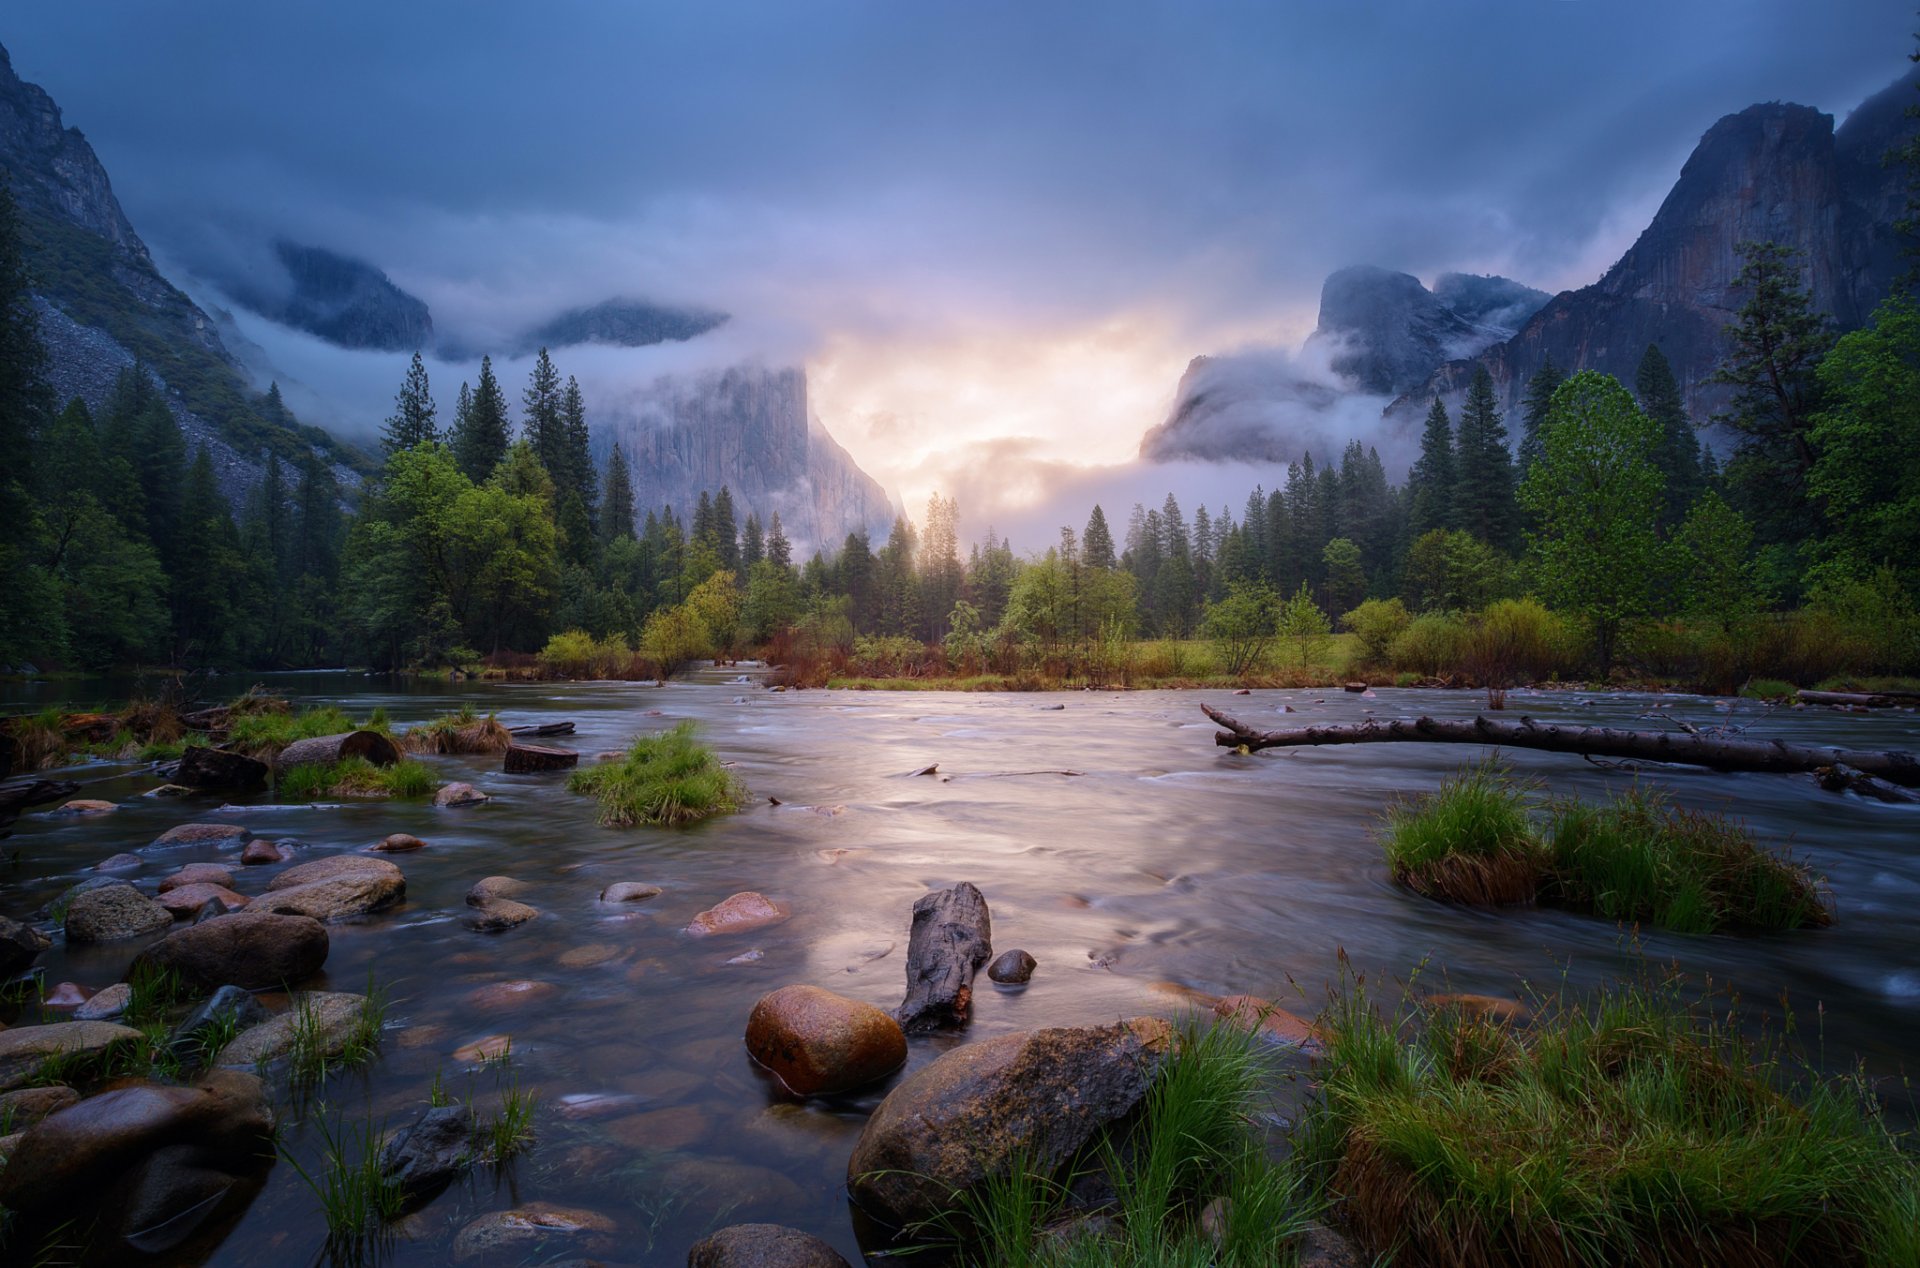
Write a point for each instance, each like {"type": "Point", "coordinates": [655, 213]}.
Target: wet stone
{"type": "Point", "coordinates": [198, 874]}
{"type": "Point", "coordinates": [105, 1005]}
{"type": "Point", "coordinates": [499, 914]}
{"type": "Point", "coordinates": [190, 1038]}
{"type": "Point", "coordinates": [500, 995]}
{"type": "Point", "coordinates": [818, 1043]}
{"type": "Point", "coordinates": [214, 834]}
{"type": "Point", "coordinates": [20, 944]}
{"type": "Point", "coordinates": [112, 912]}
{"type": "Point", "coordinates": [262, 851]}
{"type": "Point", "coordinates": [335, 1017]}
{"type": "Point", "coordinates": [185, 900]}
{"type": "Point", "coordinates": [537, 1225]}
{"type": "Point", "coordinates": [740, 913]}
{"type": "Point", "coordinates": [763, 1246]}
{"type": "Point", "coordinates": [399, 843]}
{"type": "Point", "coordinates": [629, 892]}
{"type": "Point", "coordinates": [120, 863]}
{"type": "Point", "coordinates": [66, 996]}
{"type": "Point", "coordinates": [1012, 968]}
{"type": "Point", "coordinates": [429, 1153]}
{"type": "Point", "coordinates": [458, 794]}
{"type": "Point", "coordinates": [480, 1051]}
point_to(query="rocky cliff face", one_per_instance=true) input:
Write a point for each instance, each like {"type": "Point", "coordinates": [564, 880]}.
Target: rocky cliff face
{"type": "Point", "coordinates": [343, 300]}
{"type": "Point", "coordinates": [104, 305]}
{"type": "Point", "coordinates": [624, 323]}
{"type": "Point", "coordinates": [749, 429]}
{"type": "Point", "coordinates": [1772, 172]}
{"type": "Point", "coordinates": [1390, 330]}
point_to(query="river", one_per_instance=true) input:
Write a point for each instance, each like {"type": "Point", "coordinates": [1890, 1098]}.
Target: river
{"type": "Point", "coordinates": [1112, 839]}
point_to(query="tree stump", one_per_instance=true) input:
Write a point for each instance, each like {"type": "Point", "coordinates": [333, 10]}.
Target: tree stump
{"type": "Point", "coordinates": [372, 745]}
{"type": "Point", "coordinates": [526, 758]}
{"type": "Point", "coordinates": [203, 767]}
{"type": "Point", "coordinates": [951, 937]}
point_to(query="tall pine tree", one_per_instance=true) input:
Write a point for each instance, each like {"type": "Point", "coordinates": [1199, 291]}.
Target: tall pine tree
{"type": "Point", "coordinates": [1096, 544]}
{"type": "Point", "coordinates": [542, 423]}
{"type": "Point", "coordinates": [1678, 454]}
{"type": "Point", "coordinates": [412, 420]}
{"type": "Point", "coordinates": [1430, 483]}
{"type": "Point", "coordinates": [1483, 502]}
{"type": "Point", "coordinates": [481, 433]}
{"type": "Point", "coordinates": [1540, 389]}
{"type": "Point", "coordinates": [616, 508]}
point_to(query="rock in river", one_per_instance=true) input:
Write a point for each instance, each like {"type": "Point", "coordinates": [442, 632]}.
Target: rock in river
{"type": "Point", "coordinates": [496, 914]}
{"type": "Point", "coordinates": [1040, 1094]}
{"type": "Point", "coordinates": [537, 1225]}
{"type": "Point", "coordinates": [108, 913]}
{"type": "Point", "coordinates": [215, 834]}
{"type": "Point", "coordinates": [459, 795]}
{"type": "Point", "coordinates": [763, 1246]}
{"type": "Point", "coordinates": [818, 1043]}
{"type": "Point", "coordinates": [198, 874]}
{"type": "Point", "coordinates": [335, 888]}
{"type": "Point", "coordinates": [19, 944]}
{"type": "Point", "coordinates": [740, 913]}
{"type": "Point", "coordinates": [629, 892]}
{"type": "Point", "coordinates": [24, 1048]}
{"type": "Point", "coordinates": [263, 851]}
{"type": "Point", "coordinates": [254, 949]}
{"type": "Point", "coordinates": [429, 1153]}
{"type": "Point", "coordinates": [1012, 968]}
{"type": "Point", "coordinates": [184, 900]}
{"type": "Point", "coordinates": [399, 843]}
{"type": "Point", "coordinates": [333, 1016]}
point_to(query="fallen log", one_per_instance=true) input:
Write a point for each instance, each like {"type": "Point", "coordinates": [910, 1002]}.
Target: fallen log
{"type": "Point", "coordinates": [372, 745]}
{"type": "Point", "coordinates": [951, 937]}
{"type": "Point", "coordinates": [1860, 699]}
{"type": "Point", "coordinates": [542, 728]}
{"type": "Point", "coordinates": [203, 767]}
{"type": "Point", "coordinates": [523, 759]}
{"type": "Point", "coordinates": [1712, 751]}
{"type": "Point", "coordinates": [15, 800]}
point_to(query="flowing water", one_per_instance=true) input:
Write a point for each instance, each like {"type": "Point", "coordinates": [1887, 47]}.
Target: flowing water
{"type": "Point", "coordinates": [1112, 838]}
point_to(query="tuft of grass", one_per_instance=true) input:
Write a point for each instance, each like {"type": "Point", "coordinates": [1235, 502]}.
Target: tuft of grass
{"type": "Point", "coordinates": [1639, 858]}
{"type": "Point", "coordinates": [1634, 1125]}
{"type": "Point", "coordinates": [356, 1196]}
{"type": "Point", "coordinates": [668, 779]}
{"type": "Point", "coordinates": [461, 732]}
{"type": "Point", "coordinates": [313, 1054]}
{"type": "Point", "coordinates": [355, 777]}
{"type": "Point", "coordinates": [270, 730]}
{"type": "Point", "coordinates": [1193, 1147]}
{"type": "Point", "coordinates": [509, 1131]}
{"type": "Point", "coordinates": [1768, 689]}
{"type": "Point", "coordinates": [152, 995]}
{"type": "Point", "coordinates": [1471, 842]}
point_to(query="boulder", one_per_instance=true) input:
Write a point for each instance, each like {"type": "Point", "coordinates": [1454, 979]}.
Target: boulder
{"type": "Point", "coordinates": [429, 1153]}
{"type": "Point", "coordinates": [198, 874]}
{"type": "Point", "coordinates": [741, 913]}
{"type": "Point", "coordinates": [258, 950]}
{"type": "Point", "coordinates": [230, 1006]}
{"type": "Point", "coordinates": [111, 912]}
{"type": "Point", "coordinates": [1012, 968]}
{"type": "Point", "coordinates": [488, 888]}
{"type": "Point", "coordinates": [202, 767]}
{"type": "Point", "coordinates": [28, 1105]}
{"type": "Point", "coordinates": [763, 1246]}
{"type": "Point", "coordinates": [24, 1048]}
{"type": "Point", "coordinates": [185, 900]}
{"type": "Point", "coordinates": [169, 790]}
{"type": "Point", "coordinates": [399, 843]}
{"type": "Point", "coordinates": [145, 1159]}
{"type": "Point", "coordinates": [105, 1005]}
{"type": "Point", "coordinates": [85, 806]}
{"type": "Point", "coordinates": [537, 1225]}
{"type": "Point", "coordinates": [19, 945]}
{"type": "Point", "coordinates": [629, 892]}
{"type": "Point", "coordinates": [334, 1015]}
{"type": "Point", "coordinates": [65, 996]}
{"type": "Point", "coordinates": [120, 863]}
{"type": "Point", "coordinates": [1038, 1094]}
{"type": "Point", "coordinates": [259, 851]}
{"type": "Point", "coordinates": [497, 914]}
{"type": "Point", "coordinates": [818, 1043]}
{"type": "Point", "coordinates": [459, 795]}
{"type": "Point", "coordinates": [220, 835]}
{"type": "Point", "coordinates": [335, 888]}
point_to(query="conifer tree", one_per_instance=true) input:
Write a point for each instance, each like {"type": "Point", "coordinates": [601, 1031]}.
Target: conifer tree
{"type": "Point", "coordinates": [1430, 483]}
{"type": "Point", "coordinates": [543, 425]}
{"type": "Point", "coordinates": [1540, 389]}
{"type": "Point", "coordinates": [726, 533]}
{"type": "Point", "coordinates": [480, 437]}
{"type": "Point", "coordinates": [1678, 455]}
{"type": "Point", "coordinates": [579, 464]}
{"type": "Point", "coordinates": [753, 543]}
{"type": "Point", "coordinates": [616, 508]}
{"type": "Point", "coordinates": [1096, 544]}
{"type": "Point", "coordinates": [412, 420]}
{"type": "Point", "coordinates": [1483, 502]}
{"type": "Point", "coordinates": [779, 549]}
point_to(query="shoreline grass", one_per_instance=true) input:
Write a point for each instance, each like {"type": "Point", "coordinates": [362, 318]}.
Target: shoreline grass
{"type": "Point", "coordinates": [1632, 1125]}
{"type": "Point", "coordinates": [669, 779]}
{"type": "Point", "coordinates": [355, 777]}
{"type": "Point", "coordinates": [465, 731]}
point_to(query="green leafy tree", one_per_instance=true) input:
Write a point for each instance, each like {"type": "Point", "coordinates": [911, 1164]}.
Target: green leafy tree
{"type": "Point", "coordinates": [1304, 629]}
{"type": "Point", "coordinates": [1430, 484]}
{"type": "Point", "coordinates": [1712, 564]}
{"type": "Point", "coordinates": [1594, 495]}
{"type": "Point", "coordinates": [1243, 625]}
{"type": "Point", "coordinates": [1451, 570]}
{"type": "Point", "coordinates": [412, 420]}
{"type": "Point", "coordinates": [1866, 442]}
{"type": "Point", "coordinates": [1376, 623]}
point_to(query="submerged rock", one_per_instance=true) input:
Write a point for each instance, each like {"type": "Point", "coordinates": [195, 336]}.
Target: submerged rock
{"type": "Point", "coordinates": [120, 863]}
{"type": "Point", "coordinates": [189, 1039]}
{"type": "Point", "coordinates": [429, 1153]}
{"type": "Point", "coordinates": [497, 914]}
{"type": "Point", "coordinates": [1039, 1094]}
{"type": "Point", "coordinates": [629, 892]}
{"type": "Point", "coordinates": [488, 888]}
{"type": "Point", "coordinates": [216, 834]}
{"type": "Point", "coordinates": [262, 851]}
{"type": "Point", "coordinates": [1267, 1019]}
{"type": "Point", "coordinates": [398, 843]}
{"type": "Point", "coordinates": [257, 950]}
{"type": "Point", "coordinates": [459, 795]}
{"type": "Point", "coordinates": [818, 1043]}
{"type": "Point", "coordinates": [334, 1016]}
{"type": "Point", "coordinates": [741, 913]}
{"type": "Point", "coordinates": [763, 1246]}
{"type": "Point", "coordinates": [113, 911]}
{"type": "Point", "coordinates": [539, 1225]}
{"type": "Point", "coordinates": [1012, 968]}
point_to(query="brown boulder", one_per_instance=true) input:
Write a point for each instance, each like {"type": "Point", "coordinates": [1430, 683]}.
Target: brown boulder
{"type": "Point", "coordinates": [818, 1043]}
{"type": "Point", "coordinates": [198, 874]}
{"type": "Point", "coordinates": [488, 888]}
{"type": "Point", "coordinates": [741, 913]}
{"type": "Point", "coordinates": [85, 806]}
{"type": "Point", "coordinates": [331, 1019]}
{"type": "Point", "coordinates": [335, 888]}
{"type": "Point", "coordinates": [29, 1105]}
{"type": "Point", "coordinates": [111, 912]}
{"type": "Point", "coordinates": [399, 843]}
{"type": "Point", "coordinates": [537, 1225]}
{"type": "Point", "coordinates": [629, 892]}
{"type": "Point", "coordinates": [1038, 1094]}
{"type": "Point", "coordinates": [496, 914]}
{"type": "Point", "coordinates": [220, 834]}
{"type": "Point", "coordinates": [459, 795]}
{"type": "Point", "coordinates": [262, 851]}
{"type": "Point", "coordinates": [24, 1048]}
{"type": "Point", "coordinates": [1012, 968]}
{"type": "Point", "coordinates": [256, 950]}
{"type": "Point", "coordinates": [184, 900]}
{"type": "Point", "coordinates": [763, 1246]}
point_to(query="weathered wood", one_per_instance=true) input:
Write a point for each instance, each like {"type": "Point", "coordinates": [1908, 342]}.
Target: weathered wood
{"type": "Point", "coordinates": [1712, 751]}
{"type": "Point", "coordinates": [372, 745]}
{"type": "Point", "coordinates": [951, 937]}
{"type": "Point", "coordinates": [1860, 699]}
{"type": "Point", "coordinates": [544, 728]}
{"type": "Point", "coordinates": [203, 767]}
{"type": "Point", "coordinates": [16, 799]}
{"type": "Point", "coordinates": [526, 758]}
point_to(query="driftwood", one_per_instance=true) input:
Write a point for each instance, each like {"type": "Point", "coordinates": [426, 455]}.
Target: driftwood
{"type": "Point", "coordinates": [951, 937]}
{"type": "Point", "coordinates": [15, 800]}
{"type": "Point", "coordinates": [544, 728]}
{"type": "Point", "coordinates": [1689, 748]}
{"type": "Point", "coordinates": [1861, 699]}
{"type": "Point", "coordinates": [203, 767]}
{"type": "Point", "coordinates": [524, 759]}
{"type": "Point", "coordinates": [372, 745]}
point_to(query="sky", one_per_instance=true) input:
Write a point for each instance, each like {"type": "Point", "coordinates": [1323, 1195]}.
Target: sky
{"type": "Point", "coordinates": [995, 233]}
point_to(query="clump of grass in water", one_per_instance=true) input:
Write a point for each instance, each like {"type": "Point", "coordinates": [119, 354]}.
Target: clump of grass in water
{"type": "Point", "coordinates": [509, 1131]}
{"type": "Point", "coordinates": [462, 732]}
{"type": "Point", "coordinates": [1635, 1125]}
{"type": "Point", "coordinates": [1194, 1144]}
{"type": "Point", "coordinates": [1471, 842]}
{"type": "Point", "coordinates": [667, 779]}
{"type": "Point", "coordinates": [1639, 858]}
{"type": "Point", "coordinates": [311, 1056]}
{"type": "Point", "coordinates": [356, 1196]}
{"type": "Point", "coordinates": [354, 777]}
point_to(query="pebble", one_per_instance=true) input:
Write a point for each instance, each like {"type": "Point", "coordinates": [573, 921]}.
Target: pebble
{"type": "Point", "coordinates": [1012, 968]}
{"type": "Point", "coordinates": [105, 1005]}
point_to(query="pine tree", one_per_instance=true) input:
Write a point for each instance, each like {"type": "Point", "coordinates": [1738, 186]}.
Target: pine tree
{"type": "Point", "coordinates": [1483, 503]}
{"type": "Point", "coordinates": [480, 435]}
{"type": "Point", "coordinates": [779, 549]}
{"type": "Point", "coordinates": [1540, 390]}
{"type": "Point", "coordinates": [413, 412]}
{"type": "Point", "coordinates": [544, 426]}
{"type": "Point", "coordinates": [1678, 455]}
{"type": "Point", "coordinates": [1430, 483]}
{"type": "Point", "coordinates": [616, 508]}
{"type": "Point", "coordinates": [726, 533]}
{"type": "Point", "coordinates": [573, 416]}
{"type": "Point", "coordinates": [1096, 544]}
{"type": "Point", "coordinates": [753, 543]}
{"type": "Point", "coordinates": [1173, 598]}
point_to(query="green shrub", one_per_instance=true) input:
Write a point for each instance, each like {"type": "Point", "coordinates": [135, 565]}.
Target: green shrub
{"type": "Point", "coordinates": [1377, 623]}
{"type": "Point", "coordinates": [1470, 842]}
{"type": "Point", "coordinates": [1638, 858]}
{"type": "Point", "coordinates": [1768, 689]}
{"type": "Point", "coordinates": [889, 656]}
{"type": "Point", "coordinates": [670, 779]}
{"type": "Point", "coordinates": [1629, 1126]}
{"type": "Point", "coordinates": [1241, 625]}
{"type": "Point", "coordinates": [1433, 644]}
{"type": "Point", "coordinates": [1518, 640]}
{"type": "Point", "coordinates": [577, 654]}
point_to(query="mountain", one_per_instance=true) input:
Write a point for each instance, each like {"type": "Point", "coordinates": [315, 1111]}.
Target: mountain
{"type": "Point", "coordinates": [1380, 333]}
{"type": "Point", "coordinates": [749, 429]}
{"type": "Point", "coordinates": [104, 306]}
{"type": "Point", "coordinates": [625, 323]}
{"type": "Point", "coordinates": [345, 301]}
{"type": "Point", "coordinates": [1773, 172]}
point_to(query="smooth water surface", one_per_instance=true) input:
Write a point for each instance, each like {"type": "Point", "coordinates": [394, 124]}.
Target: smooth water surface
{"type": "Point", "coordinates": [1112, 838]}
